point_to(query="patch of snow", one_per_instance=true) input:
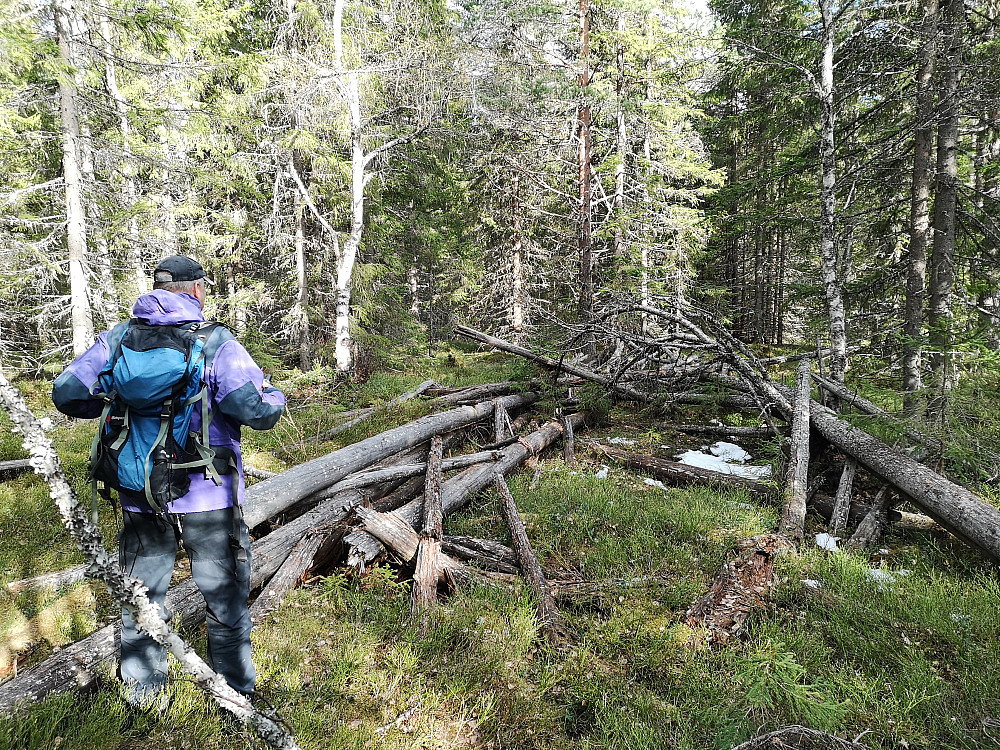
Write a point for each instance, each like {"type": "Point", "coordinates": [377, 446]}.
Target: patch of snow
{"type": "Point", "coordinates": [602, 474]}
{"type": "Point", "coordinates": [719, 464]}
{"type": "Point", "coordinates": [654, 483]}
{"type": "Point", "coordinates": [730, 452]}
{"type": "Point", "coordinates": [827, 542]}
{"type": "Point", "coordinates": [45, 423]}
{"type": "Point", "coordinates": [812, 583]}
{"type": "Point", "coordinates": [621, 441]}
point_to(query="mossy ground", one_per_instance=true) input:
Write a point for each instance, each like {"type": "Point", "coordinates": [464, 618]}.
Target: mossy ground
{"type": "Point", "coordinates": [909, 660]}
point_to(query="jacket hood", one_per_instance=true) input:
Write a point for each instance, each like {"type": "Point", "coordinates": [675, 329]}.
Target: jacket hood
{"type": "Point", "coordinates": [161, 307]}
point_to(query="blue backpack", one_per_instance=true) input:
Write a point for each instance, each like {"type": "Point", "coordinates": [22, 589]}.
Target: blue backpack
{"type": "Point", "coordinates": [151, 385]}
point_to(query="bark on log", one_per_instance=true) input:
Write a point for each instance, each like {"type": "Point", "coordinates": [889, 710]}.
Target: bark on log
{"type": "Point", "coordinates": [362, 549]}
{"type": "Point", "coordinates": [404, 541]}
{"type": "Point", "coordinates": [292, 570]}
{"type": "Point", "coordinates": [725, 430]}
{"type": "Point", "coordinates": [850, 398]}
{"type": "Point", "coordinates": [357, 416]}
{"type": "Point", "coordinates": [899, 520]}
{"type": "Point", "coordinates": [405, 471]}
{"type": "Point", "coordinates": [477, 393]}
{"type": "Point", "coordinates": [484, 553]}
{"type": "Point", "coordinates": [548, 613]}
{"type": "Point", "coordinates": [842, 503]}
{"type": "Point", "coordinates": [255, 473]}
{"type": "Point", "coordinates": [741, 587]}
{"type": "Point", "coordinates": [270, 497]}
{"type": "Point", "coordinates": [17, 466]}
{"type": "Point", "coordinates": [793, 516]}
{"type": "Point", "coordinates": [679, 474]}
{"type": "Point", "coordinates": [425, 577]}
{"type": "Point", "coordinates": [622, 390]}
{"type": "Point", "coordinates": [874, 524]}
{"type": "Point", "coordinates": [80, 664]}
{"type": "Point", "coordinates": [569, 443]}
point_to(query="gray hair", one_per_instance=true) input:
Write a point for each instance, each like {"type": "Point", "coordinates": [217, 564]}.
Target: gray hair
{"type": "Point", "coordinates": [162, 281]}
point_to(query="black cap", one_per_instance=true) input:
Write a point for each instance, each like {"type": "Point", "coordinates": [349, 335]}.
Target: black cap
{"type": "Point", "coordinates": [179, 268]}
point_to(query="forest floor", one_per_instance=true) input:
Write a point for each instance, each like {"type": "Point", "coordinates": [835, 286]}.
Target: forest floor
{"type": "Point", "coordinates": [905, 656]}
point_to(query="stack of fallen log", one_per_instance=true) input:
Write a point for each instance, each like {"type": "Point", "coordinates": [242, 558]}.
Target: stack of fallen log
{"type": "Point", "coordinates": [376, 481]}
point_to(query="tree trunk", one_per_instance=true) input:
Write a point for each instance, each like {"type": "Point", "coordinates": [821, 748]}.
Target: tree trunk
{"type": "Point", "coordinates": [517, 291]}
{"type": "Point", "coordinates": [299, 313]}
{"type": "Point", "coordinates": [793, 517]}
{"type": "Point", "coordinates": [828, 199]}
{"type": "Point", "coordinates": [940, 313]}
{"type": "Point", "coordinates": [842, 503]}
{"type": "Point", "coordinates": [76, 222]}
{"type": "Point", "coordinates": [916, 270]}
{"type": "Point", "coordinates": [584, 241]}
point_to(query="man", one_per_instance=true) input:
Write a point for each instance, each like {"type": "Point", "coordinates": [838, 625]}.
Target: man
{"type": "Point", "coordinates": [203, 520]}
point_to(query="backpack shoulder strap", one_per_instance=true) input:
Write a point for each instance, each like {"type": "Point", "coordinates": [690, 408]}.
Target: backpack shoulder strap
{"type": "Point", "coordinates": [217, 334]}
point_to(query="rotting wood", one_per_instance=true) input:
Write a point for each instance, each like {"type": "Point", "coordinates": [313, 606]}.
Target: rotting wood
{"type": "Point", "coordinates": [899, 520]}
{"type": "Point", "coordinates": [676, 473]}
{"type": "Point", "coordinates": [483, 553]}
{"type": "Point", "coordinates": [793, 515]}
{"type": "Point", "coordinates": [548, 613]}
{"type": "Point", "coordinates": [270, 497]}
{"type": "Point", "coordinates": [425, 577]}
{"type": "Point", "coordinates": [255, 473]}
{"type": "Point", "coordinates": [725, 430]}
{"type": "Point", "coordinates": [501, 423]}
{"type": "Point", "coordinates": [295, 567]}
{"type": "Point", "coordinates": [466, 484]}
{"type": "Point", "coordinates": [52, 581]}
{"type": "Point", "coordinates": [741, 587]}
{"type": "Point", "coordinates": [842, 502]}
{"type": "Point", "coordinates": [568, 443]}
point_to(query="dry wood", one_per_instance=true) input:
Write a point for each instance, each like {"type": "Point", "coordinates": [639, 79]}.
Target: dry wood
{"type": "Point", "coordinates": [842, 503]}
{"type": "Point", "coordinates": [484, 553]}
{"type": "Point", "coordinates": [270, 497]}
{"type": "Point", "coordinates": [741, 587]}
{"type": "Point", "coordinates": [17, 466]}
{"type": "Point", "coordinates": [400, 496]}
{"type": "Point", "coordinates": [293, 570]}
{"type": "Point", "coordinates": [676, 473]}
{"type": "Point", "coordinates": [793, 515]}
{"type": "Point", "coordinates": [457, 490]}
{"type": "Point", "coordinates": [425, 577]}
{"type": "Point", "coordinates": [501, 423]}
{"type": "Point", "coordinates": [874, 524]}
{"type": "Point", "coordinates": [568, 443]}
{"type": "Point", "coordinates": [548, 614]}
{"type": "Point", "coordinates": [899, 520]}
{"type": "Point", "coordinates": [477, 393]}
{"type": "Point", "coordinates": [255, 473]}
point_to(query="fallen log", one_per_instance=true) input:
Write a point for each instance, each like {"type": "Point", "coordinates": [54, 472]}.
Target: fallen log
{"type": "Point", "coordinates": [48, 580]}
{"type": "Point", "coordinates": [842, 502]}
{"type": "Point", "coordinates": [874, 524]}
{"type": "Point", "coordinates": [741, 587]}
{"type": "Point", "coordinates": [425, 577]}
{"type": "Point", "coordinates": [548, 614]}
{"type": "Point", "coordinates": [680, 474]}
{"type": "Point", "coordinates": [793, 515]}
{"type": "Point", "coordinates": [80, 664]}
{"type": "Point", "coordinates": [622, 390]}
{"type": "Point", "coordinates": [270, 497]}
{"type": "Point", "coordinates": [16, 466]}
{"type": "Point", "coordinates": [292, 570]}
{"type": "Point", "coordinates": [483, 553]}
{"type": "Point", "coordinates": [725, 430]}
{"type": "Point", "coordinates": [897, 519]}
{"type": "Point", "coordinates": [363, 549]}
{"type": "Point", "coordinates": [359, 415]}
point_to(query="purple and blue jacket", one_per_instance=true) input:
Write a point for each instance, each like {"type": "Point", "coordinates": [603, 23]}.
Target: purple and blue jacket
{"type": "Point", "coordinates": [236, 391]}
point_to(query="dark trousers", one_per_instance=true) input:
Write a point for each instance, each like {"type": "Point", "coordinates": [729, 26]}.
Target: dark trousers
{"type": "Point", "coordinates": [147, 547]}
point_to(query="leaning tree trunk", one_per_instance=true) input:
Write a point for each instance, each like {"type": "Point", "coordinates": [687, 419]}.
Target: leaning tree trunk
{"type": "Point", "coordinates": [585, 242]}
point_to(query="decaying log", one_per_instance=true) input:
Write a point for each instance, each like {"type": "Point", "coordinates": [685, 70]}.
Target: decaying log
{"type": "Point", "coordinates": [501, 423]}
{"type": "Point", "coordinates": [405, 471]}
{"type": "Point", "coordinates": [292, 570]}
{"type": "Point", "coordinates": [363, 549]}
{"type": "Point", "coordinates": [568, 443]}
{"type": "Point", "coordinates": [425, 577]}
{"type": "Point", "coordinates": [741, 586]}
{"type": "Point", "coordinates": [793, 515]}
{"type": "Point", "coordinates": [360, 415]}
{"type": "Point", "coordinates": [270, 497]}
{"type": "Point", "coordinates": [548, 613]}
{"type": "Point", "coordinates": [255, 473]}
{"type": "Point", "coordinates": [874, 524]}
{"type": "Point", "coordinates": [680, 474]}
{"type": "Point", "coordinates": [400, 496]}
{"type": "Point", "coordinates": [899, 520]}
{"type": "Point", "coordinates": [80, 664]}
{"type": "Point", "coordinates": [842, 503]}
{"type": "Point", "coordinates": [48, 580]}
{"type": "Point", "coordinates": [17, 466]}
{"type": "Point", "coordinates": [477, 393]}
{"type": "Point", "coordinates": [622, 390]}
{"type": "Point", "coordinates": [483, 553]}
